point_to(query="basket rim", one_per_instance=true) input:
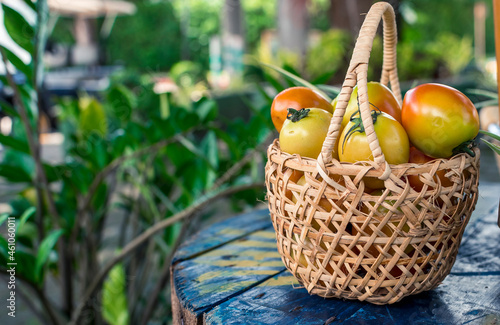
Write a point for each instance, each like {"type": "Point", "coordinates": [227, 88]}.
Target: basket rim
{"type": "Point", "coordinates": [336, 167]}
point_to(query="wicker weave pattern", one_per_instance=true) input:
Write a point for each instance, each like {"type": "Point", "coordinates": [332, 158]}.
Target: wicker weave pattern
{"type": "Point", "coordinates": [340, 240]}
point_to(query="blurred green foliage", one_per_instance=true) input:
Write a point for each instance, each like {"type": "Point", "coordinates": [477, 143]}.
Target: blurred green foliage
{"type": "Point", "coordinates": [423, 20]}
{"type": "Point", "coordinates": [149, 40]}
{"type": "Point", "coordinates": [326, 57]}
{"type": "Point", "coordinates": [435, 37]}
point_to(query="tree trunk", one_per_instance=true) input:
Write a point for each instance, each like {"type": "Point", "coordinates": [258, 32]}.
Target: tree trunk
{"type": "Point", "coordinates": [293, 26]}
{"type": "Point", "coordinates": [346, 14]}
{"type": "Point", "coordinates": [349, 14]}
{"type": "Point", "coordinates": [232, 38]}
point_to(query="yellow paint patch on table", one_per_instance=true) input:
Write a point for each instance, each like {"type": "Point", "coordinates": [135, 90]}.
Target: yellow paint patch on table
{"type": "Point", "coordinates": [220, 286]}
{"type": "Point", "coordinates": [265, 234]}
{"type": "Point", "coordinates": [256, 243]}
{"type": "Point", "coordinates": [281, 281]}
{"type": "Point", "coordinates": [224, 274]}
{"type": "Point", "coordinates": [231, 232]}
{"type": "Point", "coordinates": [246, 263]}
{"type": "Point", "coordinates": [255, 254]}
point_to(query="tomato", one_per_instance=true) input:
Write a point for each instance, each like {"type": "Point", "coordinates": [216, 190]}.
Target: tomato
{"type": "Point", "coordinates": [302, 258]}
{"type": "Point", "coordinates": [294, 177]}
{"type": "Point", "coordinates": [393, 140]}
{"type": "Point", "coordinates": [379, 96]}
{"type": "Point", "coordinates": [334, 102]}
{"type": "Point", "coordinates": [439, 119]}
{"type": "Point", "coordinates": [304, 132]}
{"type": "Point", "coordinates": [418, 157]}
{"type": "Point", "coordinates": [296, 98]}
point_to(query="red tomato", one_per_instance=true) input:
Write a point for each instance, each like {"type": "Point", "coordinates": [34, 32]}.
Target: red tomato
{"type": "Point", "coordinates": [418, 157]}
{"type": "Point", "coordinates": [439, 119]}
{"type": "Point", "coordinates": [296, 98]}
{"type": "Point", "coordinates": [379, 96]}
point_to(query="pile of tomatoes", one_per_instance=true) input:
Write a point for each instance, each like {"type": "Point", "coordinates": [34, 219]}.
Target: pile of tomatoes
{"type": "Point", "coordinates": [434, 121]}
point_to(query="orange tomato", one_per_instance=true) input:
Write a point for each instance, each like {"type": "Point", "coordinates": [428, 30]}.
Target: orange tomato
{"type": "Point", "coordinates": [296, 98]}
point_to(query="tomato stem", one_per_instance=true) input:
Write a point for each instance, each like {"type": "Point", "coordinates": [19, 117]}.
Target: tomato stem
{"type": "Point", "coordinates": [465, 147]}
{"type": "Point", "coordinates": [297, 115]}
{"type": "Point", "coordinates": [358, 124]}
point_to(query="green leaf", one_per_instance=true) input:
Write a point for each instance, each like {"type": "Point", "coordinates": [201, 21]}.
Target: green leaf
{"type": "Point", "coordinates": [491, 102]}
{"type": "Point", "coordinates": [8, 108]}
{"type": "Point", "coordinates": [191, 147]}
{"type": "Point", "coordinates": [233, 147]}
{"type": "Point", "coordinates": [44, 251]}
{"type": "Point", "coordinates": [31, 4]}
{"type": "Point", "coordinates": [165, 200]}
{"type": "Point", "coordinates": [289, 68]}
{"type": "Point", "coordinates": [14, 174]}
{"type": "Point", "coordinates": [122, 101]}
{"type": "Point", "coordinates": [184, 120]}
{"type": "Point", "coordinates": [209, 147]}
{"type": "Point", "coordinates": [207, 110]}
{"type": "Point", "coordinates": [323, 78]}
{"type": "Point", "coordinates": [18, 28]}
{"type": "Point", "coordinates": [297, 79]}
{"type": "Point", "coordinates": [261, 113]}
{"type": "Point", "coordinates": [14, 143]}
{"type": "Point", "coordinates": [278, 87]}
{"type": "Point", "coordinates": [18, 63]}
{"type": "Point", "coordinates": [172, 232]}
{"type": "Point", "coordinates": [80, 177]}
{"type": "Point", "coordinates": [26, 265]}
{"type": "Point", "coordinates": [264, 94]}
{"type": "Point", "coordinates": [20, 159]}
{"type": "Point", "coordinates": [93, 119]}
{"type": "Point", "coordinates": [100, 197]}
{"type": "Point", "coordinates": [493, 135]}
{"type": "Point", "coordinates": [26, 215]}
{"type": "Point", "coordinates": [482, 92]}
{"type": "Point", "coordinates": [99, 153]}
{"type": "Point", "coordinates": [493, 147]}
{"type": "Point", "coordinates": [3, 218]}
{"type": "Point", "coordinates": [114, 298]}
{"type": "Point", "coordinates": [334, 91]}
{"type": "Point", "coordinates": [4, 249]}
{"type": "Point", "coordinates": [54, 173]}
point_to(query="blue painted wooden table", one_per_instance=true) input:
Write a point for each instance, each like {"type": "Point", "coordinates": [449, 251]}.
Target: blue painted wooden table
{"type": "Point", "coordinates": [231, 273]}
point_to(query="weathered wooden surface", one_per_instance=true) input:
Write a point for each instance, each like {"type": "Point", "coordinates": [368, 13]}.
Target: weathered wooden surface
{"type": "Point", "coordinates": [231, 273]}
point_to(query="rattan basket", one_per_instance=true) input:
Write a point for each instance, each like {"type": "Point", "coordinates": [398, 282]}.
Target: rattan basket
{"type": "Point", "coordinates": [339, 240]}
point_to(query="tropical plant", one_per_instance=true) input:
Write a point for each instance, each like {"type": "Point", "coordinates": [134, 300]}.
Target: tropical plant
{"type": "Point", "coordinates": [126, 163]}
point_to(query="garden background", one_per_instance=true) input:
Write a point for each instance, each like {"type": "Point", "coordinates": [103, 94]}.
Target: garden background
{"type": "Point", "coordinates": [126, 127]}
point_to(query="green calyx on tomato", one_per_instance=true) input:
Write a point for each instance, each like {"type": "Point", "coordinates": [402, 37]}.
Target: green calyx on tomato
{"type": "Point", "coordinates": [304, 132]}
{"type": "Point", "coordinates": [465, 147]}
{"type": "Point", "coordinates": [380, 97]}
{"type": "Point", "coordinates": [392, 139]}
{"type": "Point", "coordinates": [357, 124]}
{"type": "Point", "coordinates": [296, 98]}
{"type": "Point", "coordinates": [297, 115]}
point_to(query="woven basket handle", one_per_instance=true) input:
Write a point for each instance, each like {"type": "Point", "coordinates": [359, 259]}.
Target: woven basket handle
{"type": "Point", "coordinates": [358, 74]}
